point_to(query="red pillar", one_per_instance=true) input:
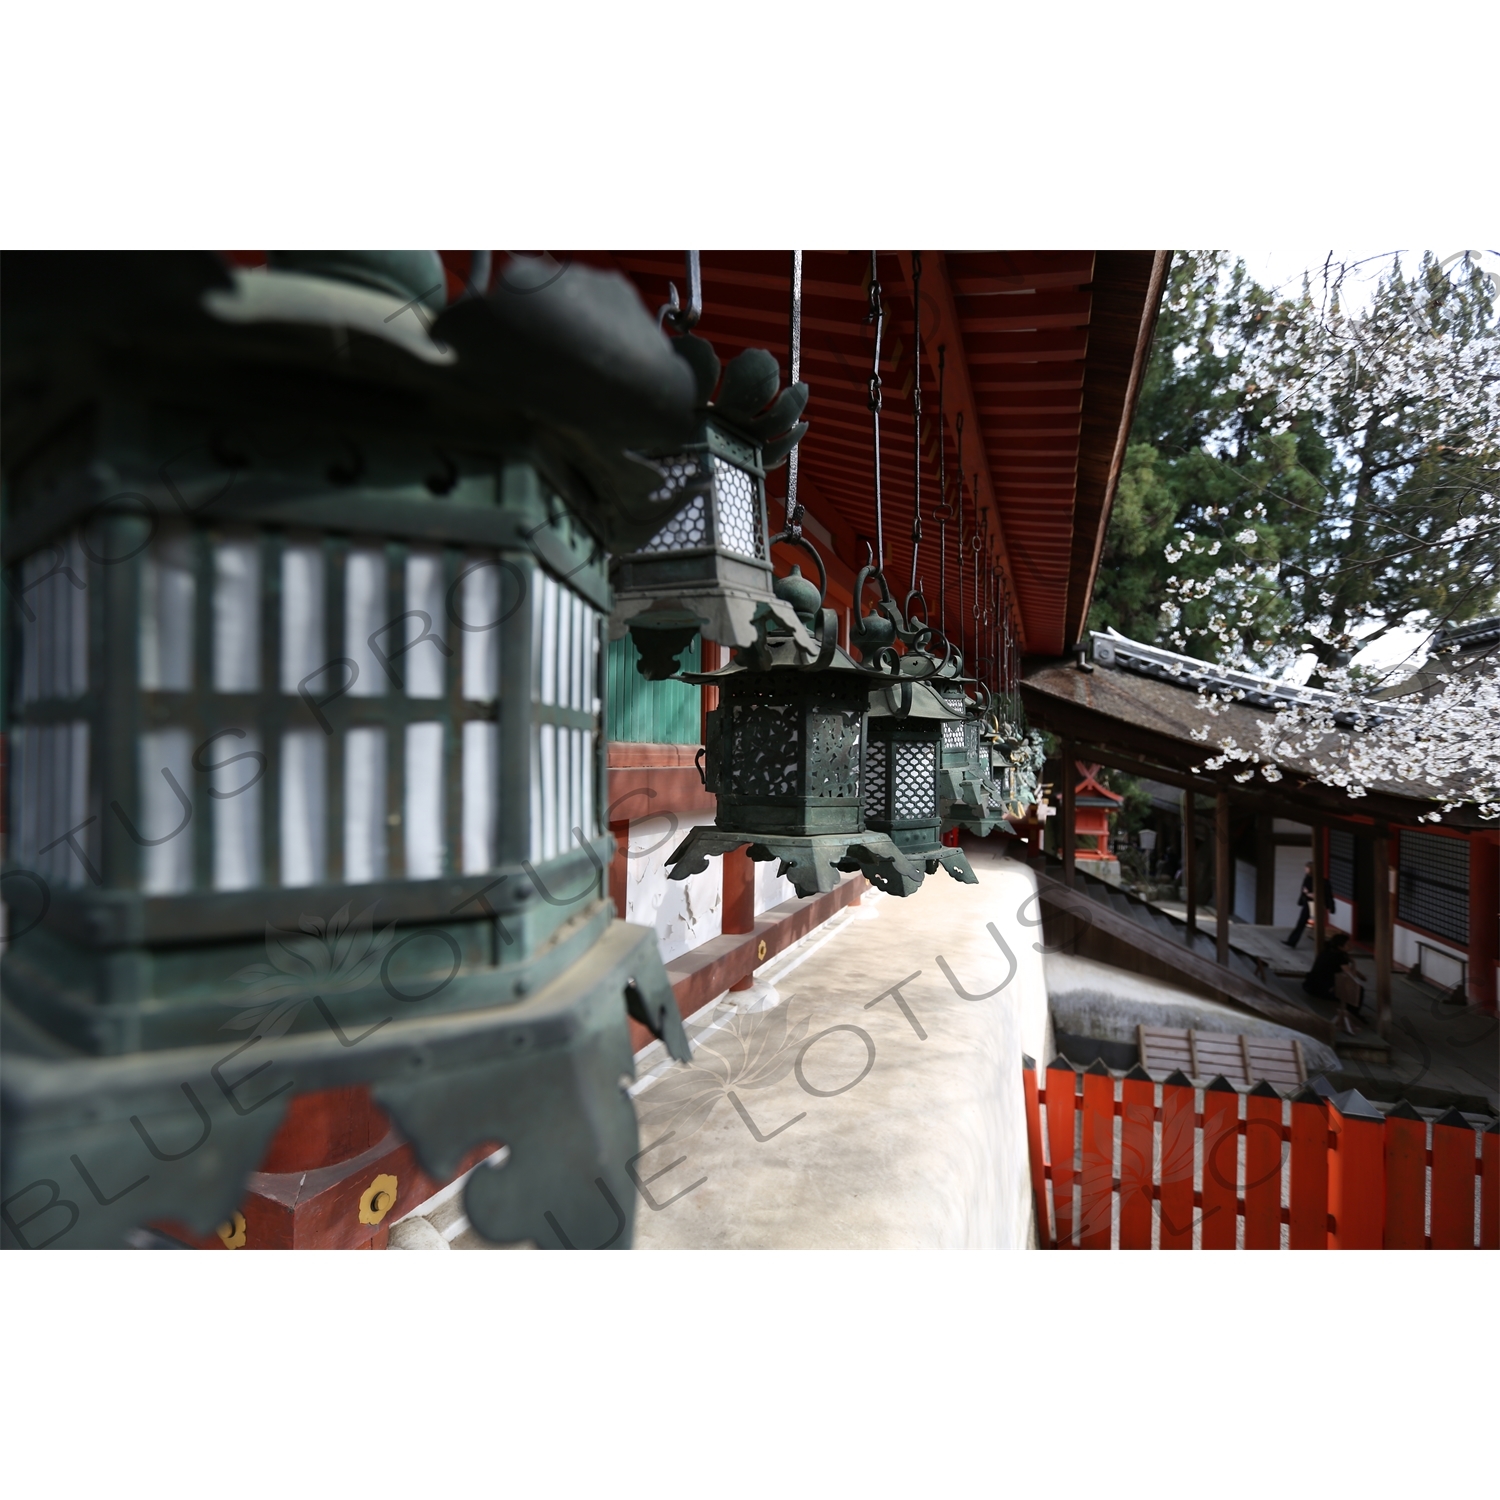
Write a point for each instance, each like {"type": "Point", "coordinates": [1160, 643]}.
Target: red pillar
{"type": "Point", "coordinates": [739, 901]}
{"type": "Point", "coordinates": [336, 1176]}
{"type": "Point", "coordinates": [619, 865]}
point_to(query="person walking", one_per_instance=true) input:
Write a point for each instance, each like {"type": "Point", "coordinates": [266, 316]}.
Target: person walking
{"type": "Point", "coordinates": [1305, 903]}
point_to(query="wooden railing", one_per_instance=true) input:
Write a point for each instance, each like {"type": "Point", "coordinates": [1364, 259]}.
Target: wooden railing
{"type": "Point", "coordinates": [1134, 1164]}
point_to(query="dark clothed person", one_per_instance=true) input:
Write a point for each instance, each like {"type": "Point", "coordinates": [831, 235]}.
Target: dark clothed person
{"type": "Point", "coordinates": [1305, 904]}
{"type": "Point", "coordinates": [1326, 966]}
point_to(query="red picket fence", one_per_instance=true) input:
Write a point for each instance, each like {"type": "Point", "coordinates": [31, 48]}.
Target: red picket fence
{"type": "Point", "coordinates": [1132, 1164]}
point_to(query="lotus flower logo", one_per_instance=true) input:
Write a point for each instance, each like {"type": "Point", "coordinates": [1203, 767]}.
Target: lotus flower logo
{"type": "Point", "coordinates": [753, 1051]}
{"type": "Point", "coordinates": [325, 958]}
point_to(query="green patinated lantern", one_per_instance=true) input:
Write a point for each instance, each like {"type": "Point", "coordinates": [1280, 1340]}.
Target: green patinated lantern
{"type": "Point", "coordinates": [708, 568]}
{"type": "Point", "coordinates": [785, 757]}
{"type": "Point", "coordinates": [903, 773]}
{"type": "Point", "coordinates": [1015, 765]}
{"type": "Point", "coordinates": [907, 729]}
{"type": "Point", "coordinates": [307, 593]}
{"type": "Point", "coordinates": [970, 798]}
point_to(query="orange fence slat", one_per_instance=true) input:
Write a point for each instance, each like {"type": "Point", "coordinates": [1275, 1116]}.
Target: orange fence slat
{"type": "Point", "coordinates": [1489, 1206]}
{"type": "Point", "coordinates": [1405, 1179]}
{"type": "Point", "coordinates": [1097, 1206]}
{"type": "Point", "coordinates": [1177, 1131]}
{"type": "Point", "coordinates": [1453, 1182]}
{"type": "Point", "coordinates": [1309, 1191]}
{"type": "Point", "coordinates": [1062, 1084]}
{"type": "Point", "coordinates": [1356, 1173]}
{"type": "Point", "coordinates": [1262, 1168]}
{"type": "Point", "coordinates": [1221, 1140]}
{"type": "Point", "coordinates": [1137, 1153]}
{"type": "Point", "coordinates": [1034, 1150]}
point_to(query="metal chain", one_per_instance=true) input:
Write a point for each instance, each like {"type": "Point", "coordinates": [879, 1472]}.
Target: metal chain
{"type": "Point", "coordinates": [916, 410]}
{"type": "Point", "coordinates": [794, 511]}
{"type": "Point", "coordinates": [962, 631]}
{"type": "Point", "coordinates": [942, 499]}
{"type": "Point", "coordinates": [877, 317]}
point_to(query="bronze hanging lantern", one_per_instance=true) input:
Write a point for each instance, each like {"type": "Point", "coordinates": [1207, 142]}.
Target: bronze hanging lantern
{"type": "Point", "coordinates": [903, 774]}
{"type": "Point", "coordinates": [785, 757]}
{"type": "Point", "coordinates": [708, 569]}
{"type": "Point", "coordinates": [308, 585]}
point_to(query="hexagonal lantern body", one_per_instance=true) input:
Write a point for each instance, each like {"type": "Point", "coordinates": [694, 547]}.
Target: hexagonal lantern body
{"type": "Point", "coordinates": [709, 567]}
{"type": "Point", "coordinates": [307, 760]}
{"type": "Point", "coordinates": [908, 724]}
{"type": "Point", "coordinates": [785, 757]}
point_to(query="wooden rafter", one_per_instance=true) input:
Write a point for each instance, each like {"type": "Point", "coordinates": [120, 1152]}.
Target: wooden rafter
{"type": "Point", "coordinates": [940, 326]}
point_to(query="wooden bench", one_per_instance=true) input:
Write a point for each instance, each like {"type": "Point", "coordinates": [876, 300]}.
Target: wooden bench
{"type": "Point", "coordinates": [1243, 1060]}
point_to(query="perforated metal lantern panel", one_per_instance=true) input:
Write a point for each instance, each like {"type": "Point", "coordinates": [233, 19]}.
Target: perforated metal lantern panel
{"type": "Point", "coordinates": [902, 800]}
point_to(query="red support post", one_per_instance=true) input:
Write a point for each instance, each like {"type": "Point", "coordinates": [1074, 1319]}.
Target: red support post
{"type": "Point", "coordinates": [1097, 1219]}
{"type": "Point", "coordinates": [1489, 1202]}
{"type": "Point", "coordinates": [1453, 1182]}
{"type": "Point", "coordinates": [1309, 1191]}
{"type": "Point", "coordinates": [1405, 1179]}
{"type": "Point", "coordinates": [738, 912]}
{"type": "Point", "coordinates": [1062, 1105]}
{"type": "Point", "coordinates": [1137, 1151]}
{"type": "Point", "coordinates": [1356, 1173]}
{"type": "Point", "coordinates": [1263, 1168]}
{"type": "Point", "coordinates": [1221, 1160]}
{"type": "Point", "coordinates": [1034, 1150]}
{"type": "Point", "coordinates": [1177, 1132]}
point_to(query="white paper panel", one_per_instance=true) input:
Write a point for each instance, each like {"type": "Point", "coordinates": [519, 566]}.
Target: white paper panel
{"type": "Point", "coordinates": [366, 609]}
{"type": "Point", "coordinates": [480, 612]}
{"type": "Point", "coordinates": [364, 805]}
{"type": "Point", "coordinates": [236, 618]}
{"type": "Point", "coordinates": [236, 812]}
{"type": "Point", "coordinates": [168, 592]}
{"type": "Point", "coordinates": [302, 637]}
{"type": "Point", "coordinates": [424, 660]}
{"type": "Point", "coordinates": [166, 868]}
{"type": "Point", "coordinates": [424, 801]}
{"type": "Point", "coordinates": [304, 803]}
{"type": "Point", "coordinates": [481, 794]}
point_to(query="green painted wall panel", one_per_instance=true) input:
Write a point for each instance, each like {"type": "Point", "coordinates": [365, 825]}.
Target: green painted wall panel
{"type": "Point", "coordinates": [653, 713]}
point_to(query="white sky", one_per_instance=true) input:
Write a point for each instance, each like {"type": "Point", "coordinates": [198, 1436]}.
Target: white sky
{"type": "Point", "coordinates": [1282, 270]}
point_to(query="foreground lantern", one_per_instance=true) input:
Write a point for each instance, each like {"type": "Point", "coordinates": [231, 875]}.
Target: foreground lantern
{"type": "Point", "coordinates": [785, 757]}
{"type": "Point", "coordinates": [307, 635]}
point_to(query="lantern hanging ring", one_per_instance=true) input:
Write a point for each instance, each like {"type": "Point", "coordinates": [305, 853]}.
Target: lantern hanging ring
{"type": "Point", "coordinates": [684, 319]}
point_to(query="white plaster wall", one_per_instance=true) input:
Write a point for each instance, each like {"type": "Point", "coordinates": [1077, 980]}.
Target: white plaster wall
{"type": "Point", "coordinates": [1404, 949]}
{"type": "Point", "coordinates": [1343, 916]}
{"type": "Point", "coordinates": [683, 912]}
{"type": "Point", "coordinates": [1244, 890]}
{"type": "Point", "coordinates": [1290, 860]}
{"type": "Point", "coordinates": [771, 889]}
{"type": "Point", "coordinates": [903, 1130]}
